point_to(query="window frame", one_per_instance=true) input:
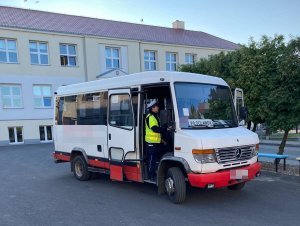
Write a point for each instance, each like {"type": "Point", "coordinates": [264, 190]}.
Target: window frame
{"type": "Point", "coordinates": [190, 56]}
{"type": "Point", "coordinates": [68, 55]}
{"type": "Point", "coordinates": [38, 53]}
{"type": "Point", "coordinates": [16, 135]}
{"type": "Point", "coordinates": [7, 51]}
{"type": "Point", "coordinates": [42, 95]}
{"type": "Point", "coordinates": [149, 61]}
{"type": "Point", "coordinates": [46, 133]}
{"type": "Point", "coordinates": [11, 96]}
{"type": "Point", "coordinates": [170, 62]}
{"type": "Point", "coordinates": [109, 111]}
{"type": "Point", "coordinates": [112, 58]}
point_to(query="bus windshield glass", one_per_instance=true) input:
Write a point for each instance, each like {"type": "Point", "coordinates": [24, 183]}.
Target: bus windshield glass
{"type": "Point", "coordinates": [204, 106]}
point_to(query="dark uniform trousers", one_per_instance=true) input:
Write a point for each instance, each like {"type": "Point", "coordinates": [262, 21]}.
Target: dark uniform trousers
{"type": "Point", "coordinates": [152, 152]}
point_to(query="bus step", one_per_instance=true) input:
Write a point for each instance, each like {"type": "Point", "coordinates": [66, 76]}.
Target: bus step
{"type": "Point", "coordinates": [98, 170]}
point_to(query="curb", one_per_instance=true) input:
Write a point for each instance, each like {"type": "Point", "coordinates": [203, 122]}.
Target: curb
{"type": "Point", "coordinates": [274, 144]}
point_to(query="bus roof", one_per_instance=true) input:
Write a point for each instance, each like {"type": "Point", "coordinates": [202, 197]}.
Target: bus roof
{"type": "Point", "coordinates": [141, 78]}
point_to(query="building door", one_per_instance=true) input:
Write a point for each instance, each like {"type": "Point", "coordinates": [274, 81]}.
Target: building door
{"type": "Point", "coordinates": [121, 130]}
{"type": "Point", "coordinates": [15, 135]}
{"type": "Point", "coordinates": [46, 133]}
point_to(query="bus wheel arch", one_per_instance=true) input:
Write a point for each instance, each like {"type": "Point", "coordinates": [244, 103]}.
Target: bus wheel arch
{"type": "Point", "coordinates": [79, 164]}
{"type": "Point", "coordinates": [78, 151]}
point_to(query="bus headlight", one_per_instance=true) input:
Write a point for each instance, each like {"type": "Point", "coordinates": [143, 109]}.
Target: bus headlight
{"type": "Point", "coordinates": [254, 150]}
{"type": "Point", "coordinates": [204, 156]}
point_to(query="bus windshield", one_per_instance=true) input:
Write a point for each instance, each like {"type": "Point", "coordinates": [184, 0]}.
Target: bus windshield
{"type": "Point", "coordinates": [204, 106]}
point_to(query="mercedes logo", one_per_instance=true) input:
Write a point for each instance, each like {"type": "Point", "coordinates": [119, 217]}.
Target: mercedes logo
{"type": "Point", "coordinates": [238, 153]}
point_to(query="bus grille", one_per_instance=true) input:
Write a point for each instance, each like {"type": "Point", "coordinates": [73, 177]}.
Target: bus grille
{"type": "Point", "coordinates": [225, 155]}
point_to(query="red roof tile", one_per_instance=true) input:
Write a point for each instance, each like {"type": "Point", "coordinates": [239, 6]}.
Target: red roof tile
{"type": "Point", "coordinates": [61, 23]}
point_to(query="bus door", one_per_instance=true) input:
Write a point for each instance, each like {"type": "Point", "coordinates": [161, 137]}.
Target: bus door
{"type": "Point", "coordinates": [120, 130]}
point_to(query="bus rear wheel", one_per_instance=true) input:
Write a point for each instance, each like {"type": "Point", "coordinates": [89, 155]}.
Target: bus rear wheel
{"type": "Point", "coordinates": [175, 185]}
{"type": "Point", "coordinates": [80, 168]}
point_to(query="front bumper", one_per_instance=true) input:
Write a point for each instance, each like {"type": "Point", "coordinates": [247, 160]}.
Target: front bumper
{"type": "Point", "coordinates": [223, 178]}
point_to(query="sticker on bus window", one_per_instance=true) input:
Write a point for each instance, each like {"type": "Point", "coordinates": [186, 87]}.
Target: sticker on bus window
{"type": "Point", "coordinates": [186, 112]}
{"type": "Point", "coordinates": [201, 123]}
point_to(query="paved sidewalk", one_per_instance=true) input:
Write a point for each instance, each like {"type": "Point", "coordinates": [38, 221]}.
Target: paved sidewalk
{"type": "Point", "coordinates": [277, 143]}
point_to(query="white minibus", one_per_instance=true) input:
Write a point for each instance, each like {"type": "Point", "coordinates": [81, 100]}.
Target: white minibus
{"type": "Point", "coordinates": [99, 127]}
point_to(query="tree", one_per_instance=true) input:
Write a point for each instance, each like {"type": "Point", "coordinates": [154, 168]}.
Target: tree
{"type": "Point", "coordinates": [268, 71]}
{"type": "Point", "coordinates": [284, 98]}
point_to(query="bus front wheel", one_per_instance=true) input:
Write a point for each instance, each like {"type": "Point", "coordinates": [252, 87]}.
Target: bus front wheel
{"type": "Point", "coordinates": [175, 185]}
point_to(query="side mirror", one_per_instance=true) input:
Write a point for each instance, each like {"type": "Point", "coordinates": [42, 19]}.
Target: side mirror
{"type": "Point", "coordinates": [243, 114]}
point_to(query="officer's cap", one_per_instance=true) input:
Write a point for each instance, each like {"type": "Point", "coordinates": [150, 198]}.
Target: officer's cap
{"type": "Point", "coordinates": [152, 104]}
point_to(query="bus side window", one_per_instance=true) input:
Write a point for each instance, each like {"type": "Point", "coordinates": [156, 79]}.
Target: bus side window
{"type": "Point", "coordinates": [69, 116]}
{"type": "Point", "coordinates": [92, 109]}
{"type": "Point", "coordinates": [59, 110]}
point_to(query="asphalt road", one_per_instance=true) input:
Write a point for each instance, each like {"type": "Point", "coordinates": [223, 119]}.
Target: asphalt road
{"type": "Point", "coordinates": [35, 191]}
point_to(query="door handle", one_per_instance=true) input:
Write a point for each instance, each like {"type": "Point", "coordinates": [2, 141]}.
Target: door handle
{"type": "Point", "coordinates": [109, 136]}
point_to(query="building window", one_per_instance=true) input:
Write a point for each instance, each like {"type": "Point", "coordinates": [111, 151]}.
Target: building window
{"type": "Point", "coordinates": [46, 133]}
{"type": "Point", "coordinates": [11, 96]}
{"type": "Point", "coordinates": [38, 53]}
{"type": "Point", "coordinates": [8, 51]}
{"type": "Point", "coordinates": [190, 58]}
{"type": "Point", "coordinates": [112, 57]}
{"type": "Point", "coordinates": [42, 96]}
{"type": "Point", "coordinates": [171, 61]}
{"type": "Point", "coordinates": [149, 60]}
{"type": "Point", "coordinates": [68, 55]}
{"type": "Point", "coordinates": [15, 135]}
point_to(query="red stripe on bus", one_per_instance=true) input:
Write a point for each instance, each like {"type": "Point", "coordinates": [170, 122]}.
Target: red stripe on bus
{"type": "Point", "coordinates": [97, 163]}
{"type": "Point", "coordinates": [60, 156]}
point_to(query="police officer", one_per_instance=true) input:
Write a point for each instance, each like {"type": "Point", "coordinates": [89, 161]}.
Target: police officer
{"type": "Point", "coordinates": [153, 139]}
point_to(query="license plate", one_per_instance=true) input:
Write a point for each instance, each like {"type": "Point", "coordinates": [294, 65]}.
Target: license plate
{"type": "Point", "coordinates": [238, 174]}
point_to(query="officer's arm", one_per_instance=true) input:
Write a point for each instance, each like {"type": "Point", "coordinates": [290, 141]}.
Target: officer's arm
{"type": "Point", "coordinates": [157, 129]}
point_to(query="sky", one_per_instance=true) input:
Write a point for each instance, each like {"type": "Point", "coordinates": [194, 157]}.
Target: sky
{"type": "Point", "coordinates": [233, 20]}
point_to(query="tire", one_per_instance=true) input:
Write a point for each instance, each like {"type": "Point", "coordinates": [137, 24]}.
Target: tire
{"type": "Point", "coordinates": [236, 187]}
{"type": "Point", "coordinates": [175, 185]}
{"type": "Point", "coordinates": [80, 168]}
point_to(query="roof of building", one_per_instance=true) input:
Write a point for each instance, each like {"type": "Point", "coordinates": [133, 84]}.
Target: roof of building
{"type": "Point", "coordinates": [146, 77]}
{"type": "Point", "coordinates": [69, 24]}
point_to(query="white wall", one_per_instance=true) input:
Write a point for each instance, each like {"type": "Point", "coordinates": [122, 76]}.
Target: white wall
{"type": "Point", "coordinates": [29, 111]}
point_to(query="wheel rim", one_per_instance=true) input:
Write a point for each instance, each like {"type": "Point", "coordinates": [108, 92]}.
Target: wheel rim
{"type": "Point", "coordinates": [169, 184]}
{"type": "Point", "coordinates": [78, 169]}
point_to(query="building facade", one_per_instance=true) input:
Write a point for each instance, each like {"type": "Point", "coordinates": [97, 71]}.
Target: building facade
{"type": "Point", "coordinates": [40, 51]}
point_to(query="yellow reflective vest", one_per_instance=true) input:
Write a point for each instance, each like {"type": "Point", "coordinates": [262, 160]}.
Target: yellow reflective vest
{"type": "Point", "coordinates": [150, 135]}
